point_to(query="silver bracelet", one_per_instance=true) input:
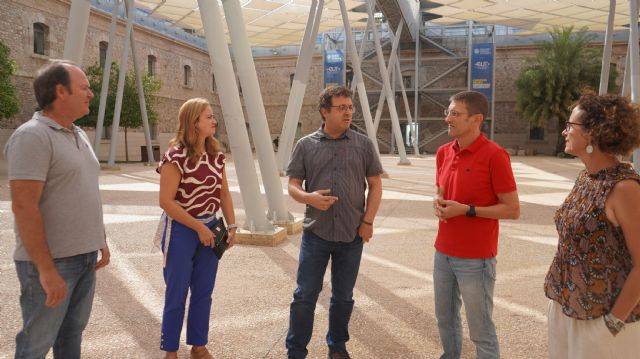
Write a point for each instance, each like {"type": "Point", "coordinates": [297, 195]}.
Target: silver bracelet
{"type": "Point", "coordinates": [232, 226]}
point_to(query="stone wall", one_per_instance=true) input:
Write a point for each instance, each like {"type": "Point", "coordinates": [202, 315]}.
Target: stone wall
{"type": "Point", "coordinates": [16, 30]}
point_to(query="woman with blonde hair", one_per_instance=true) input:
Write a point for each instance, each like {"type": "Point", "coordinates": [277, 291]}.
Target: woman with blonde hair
{"type": "Point", "coordinates": [594, 280]}
{"type": "Point", "coordinates": [193, 186]}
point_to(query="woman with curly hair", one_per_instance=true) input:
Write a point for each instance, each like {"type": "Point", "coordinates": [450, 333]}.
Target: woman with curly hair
{"type": "Point", "coordinates": [594, 279]}
{"type": "Point", "coordinates": [193, 186]}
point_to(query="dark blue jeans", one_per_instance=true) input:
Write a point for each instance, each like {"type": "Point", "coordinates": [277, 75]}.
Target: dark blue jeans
{"type": "Point", "coordinates": [314, 257]}
{"type": "Point", "coordinates": [61, 326]}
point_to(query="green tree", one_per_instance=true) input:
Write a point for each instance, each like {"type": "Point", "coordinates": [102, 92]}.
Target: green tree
{"type": "Point", "coordinates": [130, 115]}
{"type": "Point", "coordinates": [9, 104]}
{"type": "Point", "coordinates": [553, 80]}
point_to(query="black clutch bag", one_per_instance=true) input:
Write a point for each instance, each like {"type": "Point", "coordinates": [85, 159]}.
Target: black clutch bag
{"type": "Point", "coordinates": [220, 236]}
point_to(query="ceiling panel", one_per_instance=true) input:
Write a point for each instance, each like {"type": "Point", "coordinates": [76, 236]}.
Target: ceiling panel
{"type": "Point", "coordinates": [278, 22]}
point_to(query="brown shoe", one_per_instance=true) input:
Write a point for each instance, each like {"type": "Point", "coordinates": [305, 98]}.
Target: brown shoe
{"type": "Point", "coordinates": [200, 353]}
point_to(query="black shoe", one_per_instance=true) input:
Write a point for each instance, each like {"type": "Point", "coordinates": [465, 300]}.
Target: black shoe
{"type": "Point", "coordinates": [338, 355]}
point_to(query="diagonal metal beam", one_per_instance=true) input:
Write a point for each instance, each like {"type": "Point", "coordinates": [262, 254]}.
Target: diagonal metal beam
{"type": "Point", "coordinates": [370, 54]}
{"type": "Point", "coordinates": [450, 70]}
{"type": "Point", "coordinates": [434, 100]}
{"type": "Point", "coordinates": [442, 48]}
{"type": "Point", "coordinates": [372, 78]}
{"type": "Point", "coordinates": [157, 7]}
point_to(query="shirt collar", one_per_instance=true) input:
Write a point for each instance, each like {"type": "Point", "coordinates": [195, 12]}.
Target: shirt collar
{"type": "Point", "coordinates": [53, 124]}
{"type": "Point", "coordinates": [474, 146]}
{"type": "Point", "coordinates": [345, 134]}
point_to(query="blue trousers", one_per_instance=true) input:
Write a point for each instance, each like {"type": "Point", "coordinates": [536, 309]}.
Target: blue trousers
{"type": "Point", "coordinates": [189, 266]}
{"type": "Point", "coordinates": [457, 280]}
{"type": "Point", "coordinates": [61, 326]}
{"type": "Point", "coordinates": [314, 257]}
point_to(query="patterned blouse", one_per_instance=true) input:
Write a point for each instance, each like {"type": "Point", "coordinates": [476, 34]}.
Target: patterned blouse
{"type": "Point", "coordinates": [592, 261]}
{"type": "Point", "coordinates": [201, 182]}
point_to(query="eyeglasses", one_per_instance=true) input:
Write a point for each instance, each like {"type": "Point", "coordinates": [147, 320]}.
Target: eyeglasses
{"type": "Point", "coordinates": [452, 113]}
{"type": "Point", "coordinates": [343, 108]}
{"type": "Point", "coordinates": [569, 125]}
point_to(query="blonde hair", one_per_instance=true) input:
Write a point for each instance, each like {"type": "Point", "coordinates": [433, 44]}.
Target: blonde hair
{"type": "Point", "coordinates": [187, 133]}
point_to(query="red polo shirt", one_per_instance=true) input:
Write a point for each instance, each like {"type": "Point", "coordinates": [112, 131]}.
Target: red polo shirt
{"type": "Point", "coordinates": [475, 176]}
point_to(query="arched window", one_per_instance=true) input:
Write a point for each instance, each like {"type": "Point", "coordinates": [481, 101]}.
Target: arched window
{"type": "Point", "coordinates": [151, 65]}
{"type": "Point", "coordinates": [104, 46]}
{"type": "Point", "coordinates": [40, 37]}
{"type": "Point", "coordinates": [187, 76]}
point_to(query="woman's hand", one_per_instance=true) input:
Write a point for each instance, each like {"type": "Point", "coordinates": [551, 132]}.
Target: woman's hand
{"type": "Point", "coordinates": [205, 235]}
{"type": "Point", "coordinates": [232, 237]}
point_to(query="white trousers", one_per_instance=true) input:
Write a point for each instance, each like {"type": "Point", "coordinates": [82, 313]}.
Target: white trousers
{"type": "Point", "coordinates": [570, 338]}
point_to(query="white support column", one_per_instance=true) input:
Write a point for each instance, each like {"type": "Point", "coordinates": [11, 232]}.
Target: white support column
{"type": "Point", "coordinates": [141, 99]}
{"type": "Point", "coordinates": [392, 60]}
{"type": "Point", "coordinates": [634, 55]}
{"type": "Point", "coordinates": [407, 109]}
{"type": "Point", "coordinates": [395, 122]}
{"type": "Point", "coordinates": [106, 74]}
{"type": "Point", "coordinates": [416, 76]}
{"type": "Point", "coordinates": [255, 210]}
{"type": "Point", "coordinates": [76, 30]}
{"type": "Point", "coordinates": [469, 46]}
{"type": "Point", "coordinates": [492, 130]}
{"type": "Point", "coordinates": [111, 162]}
{"type": "Point", "coordinates": [365, 38]}
{"type": "Point", "coordinates": [357, 76]}
{"type": "Point", "coordinates": [298, 87]}
{"type": "Point", "coordinates": [606, 54]}
{"type": "Point", "coordinates": [626, 78]}
{"type": "Point", "coordinates": [255, 111]}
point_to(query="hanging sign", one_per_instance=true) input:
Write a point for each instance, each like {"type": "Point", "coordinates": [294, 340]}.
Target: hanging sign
{"type": "Point", "coordinates": [333, 68]}
{"type": "Point", "coordinates": [482, 69]}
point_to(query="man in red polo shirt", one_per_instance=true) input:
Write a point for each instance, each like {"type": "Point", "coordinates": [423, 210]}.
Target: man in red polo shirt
{"type": "Point", "coordinates": [475, 188]}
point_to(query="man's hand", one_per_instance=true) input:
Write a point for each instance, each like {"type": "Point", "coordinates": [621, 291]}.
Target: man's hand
{"type": "Point", "coordinates": [319, 200]}
{"type": "Point", "coordinates": [105, 256]}
{"type": "Point", "coordinates": [445, 209]}
{"type": "Point", "coordinates": [54, 286]}
{"type": "Point", "coordinates": [437, 206]}
{"type": "Point", "coordinates": [365, 231]}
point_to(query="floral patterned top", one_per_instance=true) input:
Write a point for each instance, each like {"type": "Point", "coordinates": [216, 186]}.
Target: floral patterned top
{"type": "Point", "coordinates": [592, 261]}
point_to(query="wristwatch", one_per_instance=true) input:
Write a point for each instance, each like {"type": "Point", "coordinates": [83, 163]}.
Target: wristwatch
{"type": "Point", "coordinates": [472, 211]}
{"type": "Point", "coordinates": [232, 226]}
{"type": "Point", "coordinates": [614, 324]}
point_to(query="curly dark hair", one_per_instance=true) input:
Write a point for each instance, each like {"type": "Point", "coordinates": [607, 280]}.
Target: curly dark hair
{"type": "Point", "coordinates": [327, 95]}
{"type": "Point", "coordinates": [613, 122]}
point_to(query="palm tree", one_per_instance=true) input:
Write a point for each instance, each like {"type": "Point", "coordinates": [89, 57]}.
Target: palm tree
{"type": "Point", "coordinates": [553, 80]}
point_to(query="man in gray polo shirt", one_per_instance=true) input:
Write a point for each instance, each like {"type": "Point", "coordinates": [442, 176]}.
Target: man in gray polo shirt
{"type": "Point", "coordinates": [56, 203]}
{"type": "Point", "coordinates": [336, 166]}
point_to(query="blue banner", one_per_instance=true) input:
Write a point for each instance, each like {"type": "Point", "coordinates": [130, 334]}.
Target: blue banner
{"type": "Point", "coordinates": [333, 68]}
{"type": "Point", "coordinates": [482, 69]}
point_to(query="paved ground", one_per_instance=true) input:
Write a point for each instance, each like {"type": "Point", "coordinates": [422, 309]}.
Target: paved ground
{"type": "Point", "coordinates": [393, 317]}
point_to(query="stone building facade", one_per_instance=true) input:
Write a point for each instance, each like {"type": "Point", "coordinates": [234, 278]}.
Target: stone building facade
{"type": "Point", "coordinates": [171, 56]}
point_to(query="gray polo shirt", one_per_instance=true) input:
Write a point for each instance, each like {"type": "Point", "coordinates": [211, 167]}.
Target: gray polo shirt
{"type": "Point", "coordinates": [341, 165]}
{"type": "Point", "coordinates": [71, 208]}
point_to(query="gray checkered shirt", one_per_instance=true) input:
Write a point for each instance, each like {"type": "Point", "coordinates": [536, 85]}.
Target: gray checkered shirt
{"type": "Point", "coordinates": [341, 165]}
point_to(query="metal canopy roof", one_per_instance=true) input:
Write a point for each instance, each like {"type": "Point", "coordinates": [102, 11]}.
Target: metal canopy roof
{"type": "Point", "coordinates": [272, 23]}
{"type": "Point", "coordinates": [269, 23]}
{"type": "Point", "coordinates": [534, 15]}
